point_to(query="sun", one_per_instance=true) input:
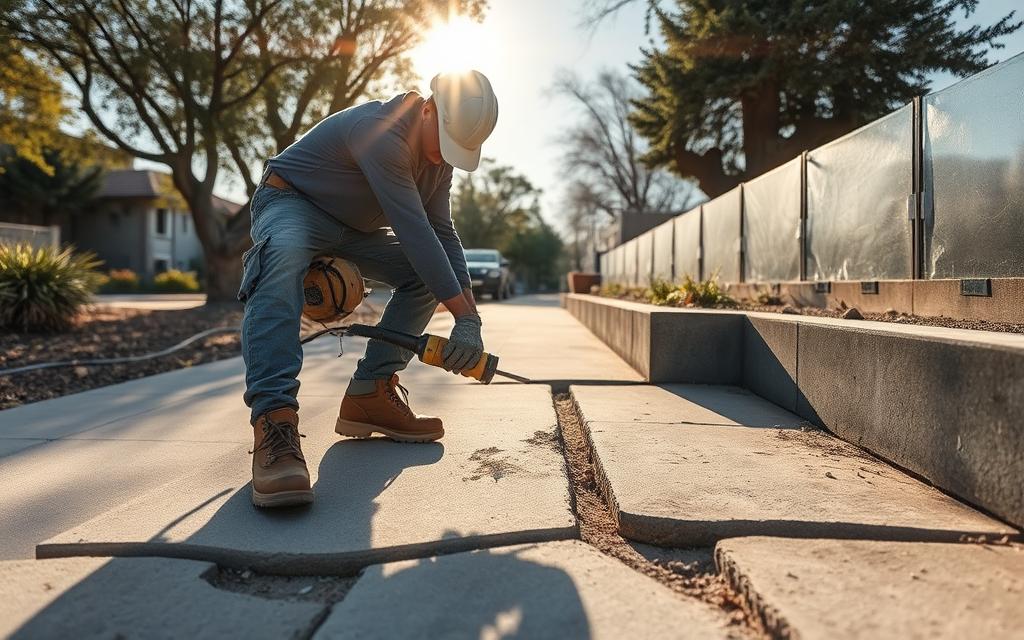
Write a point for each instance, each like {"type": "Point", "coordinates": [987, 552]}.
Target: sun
{"type": "Point", "coordinates": [457, 44]}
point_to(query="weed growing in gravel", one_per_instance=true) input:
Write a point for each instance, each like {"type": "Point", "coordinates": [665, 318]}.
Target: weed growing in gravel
{"type": "Point", "coordinates": [42, 289]}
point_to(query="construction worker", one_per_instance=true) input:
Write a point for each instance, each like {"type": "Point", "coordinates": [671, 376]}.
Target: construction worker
{"type": "Point", "coordinates": [369, 184]}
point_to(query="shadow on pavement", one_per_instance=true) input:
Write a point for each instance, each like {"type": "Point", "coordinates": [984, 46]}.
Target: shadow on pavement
{"type": "Point", "coordinates": [491, 593]}
{"type": "Point", "coordinates": [484, 593]}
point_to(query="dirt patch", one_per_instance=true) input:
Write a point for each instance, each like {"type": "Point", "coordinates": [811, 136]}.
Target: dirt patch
{"type": "Point", "coordinates": [490, 463]}
{"type": "Point", "coordinates": [545, 440]}
{"type": "Point", "coordinates": [689, 573]}
{"type": "Point", "coordinates": [107, 332]}
{"type": "Point", "coordinates": [321, 589]}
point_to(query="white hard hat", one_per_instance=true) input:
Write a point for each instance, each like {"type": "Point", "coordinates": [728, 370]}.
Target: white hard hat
{"type": "Point", "coordinates": [467, 111]}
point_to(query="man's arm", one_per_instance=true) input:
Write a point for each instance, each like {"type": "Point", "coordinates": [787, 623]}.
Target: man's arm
{"type": "Point", "coordinates": [439, 213]}
{"type": "Point", "coordinates": [385, 162]}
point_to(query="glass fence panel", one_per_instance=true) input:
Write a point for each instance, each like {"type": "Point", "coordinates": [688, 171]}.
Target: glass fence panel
{"type": "Point", "coordinates": [722, 237]}
{"type": "Point", "coordinates": [645, 258]}
{"type": "Point", "coordinates": [771, 225]}
{"type": "Point", "coordinates": [974, 176]}
{"type": "Point", "coordinates": [629, 268]}
{"type": "Point", "coordinates": [857, 190]}
{"type": "Point", "coordinates": [663, 251]}
{"type": "Point", "coordinates": [686, 252]}
{"type": "Point", "coordinates": [616, 263]}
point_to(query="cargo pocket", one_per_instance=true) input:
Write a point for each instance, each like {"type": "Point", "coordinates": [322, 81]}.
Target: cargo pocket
{"type": "Point", "coordinates": [251, 267]}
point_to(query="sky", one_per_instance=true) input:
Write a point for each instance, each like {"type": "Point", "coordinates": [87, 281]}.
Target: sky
{"type": "Point", "coordinates": [525, 43]}
{"type": "Point", "coordinates": [522, 45]}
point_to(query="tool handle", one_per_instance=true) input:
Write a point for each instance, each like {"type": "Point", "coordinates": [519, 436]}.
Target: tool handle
{"type": "Point", "coordinates": [433, 355]}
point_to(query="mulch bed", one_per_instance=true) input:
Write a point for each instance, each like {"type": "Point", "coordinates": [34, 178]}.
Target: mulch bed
{"type": "Point", "coordinates": [106, 332]}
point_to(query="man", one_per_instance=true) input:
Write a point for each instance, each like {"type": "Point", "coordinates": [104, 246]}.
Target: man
{"type": "Point", "coordinates": [369, 184]}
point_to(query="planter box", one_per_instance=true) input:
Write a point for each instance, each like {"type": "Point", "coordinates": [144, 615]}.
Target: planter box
{"type": "Point", "coordinates": [580, 282]}
{"type": "Point", "coordinates": [945, 404]}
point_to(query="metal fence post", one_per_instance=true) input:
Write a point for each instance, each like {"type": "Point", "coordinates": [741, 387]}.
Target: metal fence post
{"type": "Point", "coordinates": [917, 181]}
{"type": "Point", "coordinates": [803, 216]}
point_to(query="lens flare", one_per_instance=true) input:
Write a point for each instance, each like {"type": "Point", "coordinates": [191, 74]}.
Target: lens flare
{"type": "Point", "coordinates": [458, 44]}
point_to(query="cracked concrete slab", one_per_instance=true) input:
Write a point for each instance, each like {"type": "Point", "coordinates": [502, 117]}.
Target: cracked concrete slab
{"type": "Point", "coordinates": [55, 485]}
{"type": "Point", "coordinates": [138, 598]}
{"type": "Point", "coordinates": [696, 464]}
{"type": "Point", "coordinates": [868, 589]}
{"type": "Point", "coordinates": [553, 590]}
{"type": "Point", "coordinates": [496, 478]}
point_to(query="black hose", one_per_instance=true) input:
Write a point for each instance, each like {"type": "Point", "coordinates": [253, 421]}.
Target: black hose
{"type": "Point", "coordinates": [107, 361]}
{"type": "Point", "coordinates": [149, 356]}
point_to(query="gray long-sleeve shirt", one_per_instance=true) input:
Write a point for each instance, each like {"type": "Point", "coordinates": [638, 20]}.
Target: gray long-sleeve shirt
{"type": "Point", "coordinates": [364, 167]}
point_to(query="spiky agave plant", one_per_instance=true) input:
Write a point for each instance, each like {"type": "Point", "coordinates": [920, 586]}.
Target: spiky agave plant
{"type": "Point", "coordinates": [43, 289]}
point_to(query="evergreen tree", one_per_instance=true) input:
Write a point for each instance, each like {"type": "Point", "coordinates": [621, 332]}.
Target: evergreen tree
{"type": "Point", "coordinates": [741, 86]}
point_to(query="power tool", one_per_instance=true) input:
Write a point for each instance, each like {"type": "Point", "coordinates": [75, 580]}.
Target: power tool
{"type": "Point", "coordinates": [429, 350]}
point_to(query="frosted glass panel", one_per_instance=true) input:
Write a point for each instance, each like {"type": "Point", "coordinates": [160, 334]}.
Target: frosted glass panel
{"type": "Point", "coordinates": [722, 237]}
{"type": "Point", "coordinates": [663, 251]}
{"type": "Point", "coordinates": [857, 190]}
{"type": "Point", "coordinates": [974, 176]}
{"type": "Point", "coordinates": [687, 245]}
{"type": "Point", "coordinates": [771, 225]}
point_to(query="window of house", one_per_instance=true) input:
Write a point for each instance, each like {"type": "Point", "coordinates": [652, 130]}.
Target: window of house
{"type": "Point", "coordinates": [161, 222]}
{"type": "Point", "coordinates": [184, 223]}
{"type": "Point", "coordinates": [159, 265]}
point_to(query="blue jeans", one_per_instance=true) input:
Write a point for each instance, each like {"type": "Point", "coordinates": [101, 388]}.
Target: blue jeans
{"type": "Point", "coordinates": [288, 231]}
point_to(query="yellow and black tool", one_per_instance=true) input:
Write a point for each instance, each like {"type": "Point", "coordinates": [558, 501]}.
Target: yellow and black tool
{"type": "Point", "coordinates": [429, 349]}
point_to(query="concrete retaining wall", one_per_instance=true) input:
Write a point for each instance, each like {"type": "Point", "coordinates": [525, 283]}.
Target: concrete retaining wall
{"type": "Point", "coordinates": [945, 404]}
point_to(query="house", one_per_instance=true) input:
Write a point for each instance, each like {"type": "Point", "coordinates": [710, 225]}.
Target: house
{"type": "Point", "coordinates": [140, 222]}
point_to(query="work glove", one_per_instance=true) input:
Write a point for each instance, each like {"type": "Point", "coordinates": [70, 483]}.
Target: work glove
{"type": "Point", "coordinates": [465, 346]}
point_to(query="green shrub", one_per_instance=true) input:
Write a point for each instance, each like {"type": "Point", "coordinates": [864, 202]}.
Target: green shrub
{"type": "Point", "coordinates": [120, 281]}
{"type": "Point", "coordinates": [43, 289]}
{"type": "Point", "coordinates": [659, 291]}
{"type": "Point", "coordinates": [613, 290]}
{"type": "Point", "coordinates": [175, 281]}
{"type": "Point", "coordinates": [702, 293]}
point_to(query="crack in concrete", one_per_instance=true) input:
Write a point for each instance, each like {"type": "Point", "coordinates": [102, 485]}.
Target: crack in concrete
{"type": "Point", "coordinates": [599, 529]}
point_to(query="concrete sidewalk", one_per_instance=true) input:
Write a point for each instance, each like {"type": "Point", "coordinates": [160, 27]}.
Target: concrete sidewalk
{"type": "Point", "coordinates": [159, 467]}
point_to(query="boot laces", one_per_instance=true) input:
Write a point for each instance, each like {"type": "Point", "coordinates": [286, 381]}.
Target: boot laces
{"type": "Point", "coordinates": [280, 439]}
{"type": "Point", "coordinates": [403, 402]}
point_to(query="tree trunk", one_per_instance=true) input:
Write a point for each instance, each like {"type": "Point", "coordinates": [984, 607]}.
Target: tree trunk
{"type": "Point", "coordinates": [223, 276]}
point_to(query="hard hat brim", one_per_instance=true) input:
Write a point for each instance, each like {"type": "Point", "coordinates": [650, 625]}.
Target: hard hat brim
{"type": "Point", "coordinates": [452, 152]}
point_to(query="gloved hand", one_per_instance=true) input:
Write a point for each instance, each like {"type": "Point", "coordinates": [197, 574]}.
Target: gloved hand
{"type": "Point", "coordinates": [465, 346]}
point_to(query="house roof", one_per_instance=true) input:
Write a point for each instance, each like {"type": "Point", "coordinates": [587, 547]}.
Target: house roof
{"type": "Point", "coordinates": [129, 183]}
{"type": "Point", "coordinates": [145, 183]}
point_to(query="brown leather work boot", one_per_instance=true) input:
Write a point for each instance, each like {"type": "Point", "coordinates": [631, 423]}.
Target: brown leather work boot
{"type": "Point", "coordinates": [384, 412]}
{"type": "Point", "coordinates": [279, 474]}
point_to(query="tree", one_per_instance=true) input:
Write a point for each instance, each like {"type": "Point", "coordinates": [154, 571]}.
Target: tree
{"type": "Point", "coordinates": [206, 85]}
{"type": "Point", "coordinates": [49, 193]}
{"type": "Point", "coordinates": [497, 208]}
{"type": "Point", "coordinates": [583, 217]}
{"type": "Point", "coordinates": [535, 254]}
{"type": "Point", "coordinates": [741, 86]}
{"type": "Point", "coordinates": [31, 103]}
{"type": "Point", "coordinates": [492, 205]}
{"type": "Point", "coordinates": [603, 151]}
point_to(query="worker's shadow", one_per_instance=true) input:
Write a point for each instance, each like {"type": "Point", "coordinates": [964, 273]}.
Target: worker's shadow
{"type": "Point", "coordinates": [351, 476]}
{"type": "Point", "coordinates": [490, 593]}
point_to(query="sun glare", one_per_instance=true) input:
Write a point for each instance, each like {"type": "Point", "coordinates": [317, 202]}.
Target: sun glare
{"type": "Point", "coordinates": [454, 45]}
